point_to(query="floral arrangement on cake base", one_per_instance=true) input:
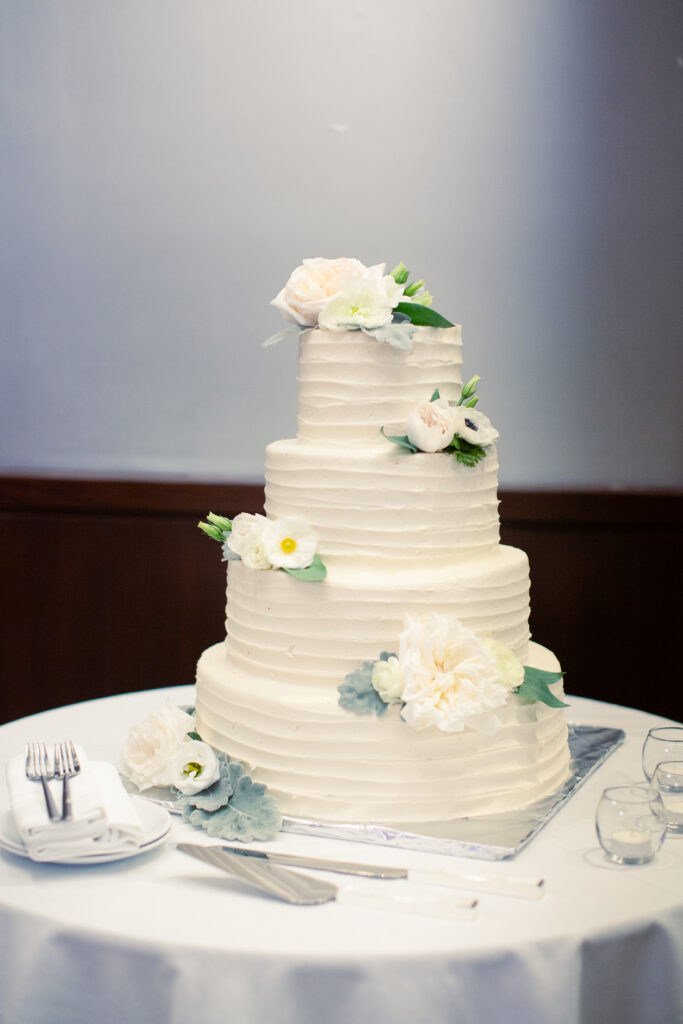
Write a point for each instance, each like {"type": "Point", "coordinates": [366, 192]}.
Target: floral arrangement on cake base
{"type": "Point", "coordinates": [262, 543]}
{"type": "Point", "coordinates": [345, 295]}
{"type": "Point", "coordinates": [213, 792]}
{"type": "Point", "coordinates": [456, 428]}
{"type": "Point", "coordinates": [444, 675]}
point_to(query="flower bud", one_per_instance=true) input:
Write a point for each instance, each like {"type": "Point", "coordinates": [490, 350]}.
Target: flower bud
{"type": "Point", "coordinates": [400, 273]}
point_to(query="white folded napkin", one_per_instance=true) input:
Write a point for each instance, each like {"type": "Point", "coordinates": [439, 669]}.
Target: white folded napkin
{"type": "Point", "coordinates": [105, 820]}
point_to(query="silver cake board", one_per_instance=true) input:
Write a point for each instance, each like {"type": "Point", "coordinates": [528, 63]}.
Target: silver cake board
{"type": "Point", "coordinates": [491, 836]}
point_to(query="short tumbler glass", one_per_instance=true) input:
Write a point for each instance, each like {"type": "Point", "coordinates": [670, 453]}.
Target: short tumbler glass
{"type": "Point", "coordinates": [664, 743]}
{"type": "Point", "coordinates": [631, 823]}
{"type": "Point", "coordinates": [668, 779]}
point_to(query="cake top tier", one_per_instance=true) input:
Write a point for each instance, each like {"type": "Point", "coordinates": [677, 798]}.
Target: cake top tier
{"type": "Point", "coordinates": [352, 386]}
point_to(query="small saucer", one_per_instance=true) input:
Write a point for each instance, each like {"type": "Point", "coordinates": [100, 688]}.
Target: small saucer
{"type": "Point", "coordinates": [155, 823]}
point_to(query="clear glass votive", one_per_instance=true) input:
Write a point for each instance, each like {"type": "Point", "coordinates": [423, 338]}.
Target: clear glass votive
{"type": "Point", "coordinates": [631, 823]}
{"type": "Point", "coordinates": [668, 779]}
{"type": "Point", "coordinates": [663, 743]}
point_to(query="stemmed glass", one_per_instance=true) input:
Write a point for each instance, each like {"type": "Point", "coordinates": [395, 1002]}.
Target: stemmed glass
{"type": "Point", "coordinates": [664, 743]}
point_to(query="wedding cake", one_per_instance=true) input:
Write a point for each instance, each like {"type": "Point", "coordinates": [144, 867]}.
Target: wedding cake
{"type": "Point", "coordinates": [377, 665]}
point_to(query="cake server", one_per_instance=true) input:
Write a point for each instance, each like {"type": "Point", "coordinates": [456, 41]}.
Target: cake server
{"type": "Point", "coordinates": [303, 890]}
{"type": "Point", "coordinates": [501, 885]}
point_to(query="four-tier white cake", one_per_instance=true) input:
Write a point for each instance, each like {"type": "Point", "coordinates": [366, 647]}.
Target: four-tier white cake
{"type": "Point", "coordinates": [416, 582]}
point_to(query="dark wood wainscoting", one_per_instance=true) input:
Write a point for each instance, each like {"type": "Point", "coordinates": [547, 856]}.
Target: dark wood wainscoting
{"type": "Point", "coordinates": [109, 587]}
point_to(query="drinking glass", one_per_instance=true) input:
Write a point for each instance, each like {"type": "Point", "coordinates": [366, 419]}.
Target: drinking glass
{"type": "Point", "coordinates": [668, 779]}
{"type": "Point", "coordinates": [665, 743]}
{"type": "Point", "coordinates": [631, 823]}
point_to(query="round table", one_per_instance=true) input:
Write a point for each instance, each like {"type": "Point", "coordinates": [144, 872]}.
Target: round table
{"type": "Point", "coordinates": [164, 938]}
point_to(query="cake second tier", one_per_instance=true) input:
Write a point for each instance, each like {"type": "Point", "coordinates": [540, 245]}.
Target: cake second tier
{"type": "Point", "coordinates": [380, 505]}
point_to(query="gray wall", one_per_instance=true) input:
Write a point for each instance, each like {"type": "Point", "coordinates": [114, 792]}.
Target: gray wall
{"type": "Point", "coordinates": [166, 163]}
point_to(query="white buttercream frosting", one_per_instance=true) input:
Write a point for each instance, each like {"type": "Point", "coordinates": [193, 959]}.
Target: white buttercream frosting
{"type": "Point", "coordinates": [401, 534]}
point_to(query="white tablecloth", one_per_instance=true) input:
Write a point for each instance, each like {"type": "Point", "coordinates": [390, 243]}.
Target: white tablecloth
{"type": "Point", "coordinates": [164, 938]}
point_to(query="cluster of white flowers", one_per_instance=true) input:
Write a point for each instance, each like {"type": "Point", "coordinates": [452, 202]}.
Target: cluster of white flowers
{"type": "Point", "coordinates": [446, 676]}
{"type": "Point", "coordinates": [263, 543]}
{"type": "Point", "coordinates": [432, 426]}
{"type": "Point", "coordinates": [339, 295]}
{"type": "Point", "coordinates": [160, 752]}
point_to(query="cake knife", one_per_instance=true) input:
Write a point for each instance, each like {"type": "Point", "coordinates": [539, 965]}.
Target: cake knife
{"type": "Point", "coordinates": [501, 885]}
{"type": "Point", "coordinates": [304, 890]}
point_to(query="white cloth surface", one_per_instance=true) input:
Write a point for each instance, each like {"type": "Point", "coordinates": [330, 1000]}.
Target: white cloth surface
{"type": "Point", "coordinates": [104, 819]}
{"type": "Point", "coordinates": [163, 937]}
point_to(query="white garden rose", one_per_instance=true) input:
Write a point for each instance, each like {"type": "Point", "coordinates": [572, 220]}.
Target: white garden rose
{"type": "Point", "coordinates": [246, 529]}
{"type": "Point", "coordinates": [254, 553]}
{"type": "Point", "coordinates": [507, 662]}
{"type": "Point", "coordinates": [193, 767]}
{"type": "Point", "coordinates": [365, 302]}
{"type": "Point", "coordinates": [451, 679]}
{"type": "Point", "coordinates": [387, 679]}
{"type": "Point", "coordinates": [312, 285]}
{"type": "Point", "coordinates": [474, 426]}
{"type": "Point", "coordinates": [151, 746]}
{"type": "Point", "coordinates": [289, 543]}
{"type": "Point", "coordinates": [431, 426]}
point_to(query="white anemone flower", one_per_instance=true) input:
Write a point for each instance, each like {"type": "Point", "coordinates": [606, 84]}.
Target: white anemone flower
{"type": "Point", "coordinates": [289, 543]}
{"type": "Point", "coordinates": [451, 678]}
{"type": "Point", "coordinates": [474, 426]}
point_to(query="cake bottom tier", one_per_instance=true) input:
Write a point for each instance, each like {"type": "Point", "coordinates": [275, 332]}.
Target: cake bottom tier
{"type": "Point", "coordinates": [325, 763]}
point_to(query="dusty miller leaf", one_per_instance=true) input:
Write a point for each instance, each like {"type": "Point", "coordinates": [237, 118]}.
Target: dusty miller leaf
{"type": "Point", "coordinates": [399, 334]}
{"type": "Point", "coordinates": [357, 693]}
{"type": "Point", "coordinates": [251, 813]}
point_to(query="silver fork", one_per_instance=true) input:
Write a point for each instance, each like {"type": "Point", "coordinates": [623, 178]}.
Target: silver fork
{"type": "Point", "coordinates": [66, 766]}
{"type": "Point", "coordinates": [38, 768]}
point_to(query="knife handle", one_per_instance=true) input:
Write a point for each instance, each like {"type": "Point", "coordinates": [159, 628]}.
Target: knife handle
{"type": "Point", "coordinates": [523, 888]}
{"type": "Point", "coordinates": [395, 898]}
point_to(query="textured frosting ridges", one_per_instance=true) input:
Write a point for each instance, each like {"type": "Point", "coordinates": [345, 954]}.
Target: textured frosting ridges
{"type": "Point", "coordinates": [322, 764]}
{"type": "Point", "coordinates": [382, 505]}
{"type": "Point", "coordinates": [351, 385]}
{"type": "Point", "coordinates": [289, 630]}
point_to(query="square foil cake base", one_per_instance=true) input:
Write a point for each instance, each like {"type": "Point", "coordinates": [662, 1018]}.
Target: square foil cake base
{"type": "Point", "coordinates": [488, 837]}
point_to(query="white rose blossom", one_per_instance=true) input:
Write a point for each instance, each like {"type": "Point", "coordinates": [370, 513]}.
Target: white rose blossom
{"type": "Point", "coordinates": [474, 426]}
{"type": "Point", "coordinates": [431, 426]}
{"type": "Point", "coordinates": [152, 744]}
{"type": "Point", "coordinates": [313, 284]}
{"type": "Point", "coordinates": [387, 679]}
{"type": "Point", "coordinates": [289, 543]}
{"type": "Point", "coordinates": [247, 531]}
{"type": "Point", "coordinates": [367, 302]}
{"type": "Point", "coordinates": [451, 679]}
{"type": "Point", "coordinates": [193, 767]}
{"type": "Point", "coordinates": [507, 662]}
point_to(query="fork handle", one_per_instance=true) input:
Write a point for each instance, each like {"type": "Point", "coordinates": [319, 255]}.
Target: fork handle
{"type": "Point", "coordinates": [66, 799]}
{"type": "Point", "coordinates": [49, 802]}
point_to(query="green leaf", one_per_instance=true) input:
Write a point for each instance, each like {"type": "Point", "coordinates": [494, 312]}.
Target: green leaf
{"type": "Point", "coordinates": [312, 573]}
{"type": "Point", "coordinates": [435, 397]}
{"type": "Point", "coordinates": [402, 441]}
{"type": "Point", "coordinates": [467, 454]}
{"type": "Point", "coordinates": [423, 316]}
{"type": "Point", "coordinates": [536, 687]}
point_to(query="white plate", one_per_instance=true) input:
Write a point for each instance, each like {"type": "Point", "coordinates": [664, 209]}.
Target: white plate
{"type": "Point", "coordinates": [155, 823]}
